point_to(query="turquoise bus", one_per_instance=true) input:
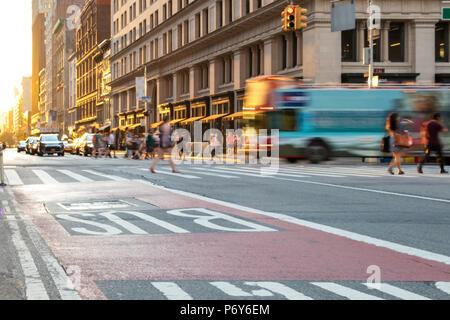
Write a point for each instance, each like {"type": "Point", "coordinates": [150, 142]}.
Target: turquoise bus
{"type": "Point", "coordinates": [319, 123]}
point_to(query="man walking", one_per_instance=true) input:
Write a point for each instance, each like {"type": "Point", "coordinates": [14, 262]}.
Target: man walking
{"type": "Point", "coordinates": [433, 143]}
{"type": "Point", "coordinates": [112, 144]}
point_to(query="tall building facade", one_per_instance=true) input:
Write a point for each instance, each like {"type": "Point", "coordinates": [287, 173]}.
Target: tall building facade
{"type": "Point", "coordinates": [38, 52]}
{"type": "Point", "coordinates": [94, 29]}
{"type": "Point", "coordinates": [199, 54]}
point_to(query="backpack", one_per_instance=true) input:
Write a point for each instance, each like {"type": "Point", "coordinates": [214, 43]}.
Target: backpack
{"type": "Point", "coordinates": [150, 141]}
{"type": "Point", "coordinates": [386, 144]}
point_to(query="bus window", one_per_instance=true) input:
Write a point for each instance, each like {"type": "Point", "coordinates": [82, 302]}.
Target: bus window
{"type": "Point", "coordinates": [284, 120]}
{"type": "Point", "coordinates": [257, 94]}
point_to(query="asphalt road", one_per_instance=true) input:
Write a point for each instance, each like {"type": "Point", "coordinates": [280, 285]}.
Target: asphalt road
{"type": "Point", "coordinates": [305, 231]}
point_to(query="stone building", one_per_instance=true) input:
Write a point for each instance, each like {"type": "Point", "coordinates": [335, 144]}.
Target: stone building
{"type": "Point", "coordinates": [198, 54]}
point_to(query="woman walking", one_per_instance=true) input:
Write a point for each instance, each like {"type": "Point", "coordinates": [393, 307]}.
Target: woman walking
{"type": "Point", "coordinates": [165, 146]}
{"type": "Point", "coordinates": [399, 141]}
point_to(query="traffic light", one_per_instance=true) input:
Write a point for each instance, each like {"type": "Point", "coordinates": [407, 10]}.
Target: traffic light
{"type": "Point", "coordinates": [300, 18]}
{"type": "Point", "coordinates": [293, 18]}
{"type": "Point", "coordinates": [290, 18]}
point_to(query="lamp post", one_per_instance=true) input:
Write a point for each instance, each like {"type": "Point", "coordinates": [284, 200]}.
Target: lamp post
{"type": "Point", "coordinates": [370, 37]}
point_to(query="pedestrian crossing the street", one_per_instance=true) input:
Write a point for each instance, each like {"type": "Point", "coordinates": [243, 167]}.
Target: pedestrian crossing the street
{"type": "Point", "coordinates": [30, 176]}
{"type": "Point", "coordinates": [274, 290]}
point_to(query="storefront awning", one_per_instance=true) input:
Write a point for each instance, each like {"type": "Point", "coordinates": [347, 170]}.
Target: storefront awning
{"type": "Point", "coordinates": [134, 126]}
{"type": "Point", "coordinates": [105, 127]}
{"type": "Point", "coordinates": [156, 125]}
{"type": "Point", "coordinates": [234, 116]}
{"type": "Point", "coordinates": [191, 120]}
{"type": "Point", "coordinates": [214, 117]}
{"type": "Point", "coordinates": [176, 121]}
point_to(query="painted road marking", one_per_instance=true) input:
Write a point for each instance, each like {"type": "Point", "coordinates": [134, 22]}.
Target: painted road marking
{"type": "Point", "coordinates": [96, 173]}
{"type": "Point", "coordinates": [123, 223]}
{"type": "Point", "coordinates": [75, 176]}
{"type": "Point", "coordinates": [172, 291]}
{"type": "Point", "coordinates": [237, 173]}
{"type": "Point", "coordinates": [262, 173]}
{"type": "Point", "coordinates": [281, 289]}
{"type": "Point", "coordinates": [395, 291]}
{"type": "Point", "coordinates": [45, 177]}
{"type": "Point", "coordinates": [108, 230]}
{"type": "Point", "coordinates": [158, 222]}
{"type": "Point", "coordinates": [13, 178]}
{"type": "Point", "coordinates": [213, 174]}
{"type": "Point", "coordinates": [63, 283]}
{"type": "Point", "coordinates": [345, 291]}
{"type": "Point", "coordinates": [35, 289]}
{"type": "Point", "coordinates": [181, 175]}
{"type": "Point", "coordinates": [95, 205]}
{"type": "Point", "coordinates": [339, 232]}
{"type": "Point", "coordinates": [333, 172]}
{"type": "Point", "coordinates": [302, 175]}
{"type": "Point", "coordinates": [444, 286]}
{"type": "Point", "coordinates": [205, 221]}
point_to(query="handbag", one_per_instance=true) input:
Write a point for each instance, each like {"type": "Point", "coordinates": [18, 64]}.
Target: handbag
{"type": "Point", "coordinates": [386, 144]}
{"type": "Point", "coordinates": [402, 140]}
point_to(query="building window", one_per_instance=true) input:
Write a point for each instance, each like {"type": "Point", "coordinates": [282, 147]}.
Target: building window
{"type": "Point", "coordinates": [376, 46]}
{"type": "Point", "coordinates": [397, 42]}
{"type": "Point", "coordinates": [441, 42]}
{"type": "Point", "coordinates": [348, 46]}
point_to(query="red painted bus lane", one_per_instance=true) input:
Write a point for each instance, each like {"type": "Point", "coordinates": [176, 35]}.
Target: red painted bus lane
{"type": "Point", "coordinates": [289, 252]}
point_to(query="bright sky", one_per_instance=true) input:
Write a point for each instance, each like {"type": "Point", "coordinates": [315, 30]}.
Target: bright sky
{"type": "Point", "coordinates": [16, 51]}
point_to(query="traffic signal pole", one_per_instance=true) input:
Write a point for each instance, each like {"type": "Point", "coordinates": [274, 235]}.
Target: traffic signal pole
{"type": "Point", "coordinates": [370, 37]}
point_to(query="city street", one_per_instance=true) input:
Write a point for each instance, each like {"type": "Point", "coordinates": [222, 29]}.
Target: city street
{"type": "Point", "coordinates": [82, 228]}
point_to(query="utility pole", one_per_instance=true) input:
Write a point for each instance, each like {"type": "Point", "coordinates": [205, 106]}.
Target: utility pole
{"type": "Point", "coordinates": [370, 37]}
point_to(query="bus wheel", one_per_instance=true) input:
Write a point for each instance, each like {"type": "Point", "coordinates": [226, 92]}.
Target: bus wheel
{"type": "Point", "coordinates": [292, 160]}
{"type": "Point", "coordinates": [317, 152]}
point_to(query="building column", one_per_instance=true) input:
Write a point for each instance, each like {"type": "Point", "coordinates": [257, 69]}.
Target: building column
{"type": "Point", "coordinates": [254, 60]}
{"type": "Point", "coordinates": [360, 44]}
{"type": "Point", "coordinates": [193, 79]}
{"type": "Point", "coordinates": [384, 33]}
{"type": "Point", "coordinates": [424, 48]}
{"type": "Point", "coordinates": [214, 70]}
{"type": "Point", "coordinates": [321, 64]}
{"type": "Point", "coordinates": [175, 93]}
{"type": "Point", "coordinates": [238, 69]}
{"type": "Point", "coordinates": [268, 57]}
{"type": "Point", "coordinates": [299, 36]}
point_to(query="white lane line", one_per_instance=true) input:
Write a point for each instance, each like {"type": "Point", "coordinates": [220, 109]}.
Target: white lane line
{"type": "Point", "coordinates": [212, 174]}
{"type": "Point", "coordinates": [444, 286]}
{"type": "Point", "coordinates": [13, 178]}
{"type": "Point", "coordinates": [181, 175]}
{"type": "Point", "coordinates": [237, 173]}
{"type": "Point", "coordinates": [63, 283]}
{"type": "Point", "coordinates": [295, 173]}
{"type": "Point", "coordinates": [395, 291]}
{"type": "Point", "coordinates": [111, 177]}
{"type": "Point", "coordinates": [334, 172]}
{"type": "Point", "coordinates": [35, 289]}
{"type": "Point", "coordinates": [75, 176]}
{"type": "Point", "coordinates": [346, 292]}
{"type": "Point", "coordinates": [45, 177]}
{"type": "Point", "coordinates": [172, 291]}
{"type": "Point", "coordinates": [339, 232]}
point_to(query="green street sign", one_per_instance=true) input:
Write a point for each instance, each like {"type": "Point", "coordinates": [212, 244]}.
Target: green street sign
{"type": "Point", "coordinates": [446, 14]}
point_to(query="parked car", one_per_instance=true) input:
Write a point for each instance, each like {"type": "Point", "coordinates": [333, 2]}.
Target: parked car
{"type": "Point", "coordinates": [50, 144]}
{"type": "Point", "coordinates": [86, 146]}
{"type": "Point", "coordinates": [76, 146]}
{"type": "Point", "coordinates": [21, 146]}
{"type": "Point", "coordinates": [67, 145]}
{"type": "Point", "coordinates": [34, 146]}
{"type": "Point", "coordinates": [29, 144]}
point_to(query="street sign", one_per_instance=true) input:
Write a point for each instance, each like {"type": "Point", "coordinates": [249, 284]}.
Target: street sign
{"type": "Point", "coordinates": [342, 16]}
{"type": "Point", "coordinates": [446, 14]}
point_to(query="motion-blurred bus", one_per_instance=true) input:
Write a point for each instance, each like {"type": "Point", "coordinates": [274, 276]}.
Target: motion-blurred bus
{"type": "Point", "coordinates": [319, 122]}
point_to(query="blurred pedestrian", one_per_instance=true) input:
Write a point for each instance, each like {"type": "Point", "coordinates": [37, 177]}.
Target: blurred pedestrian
{"type": "Point", "coordinates": [165, 146]}
{"type": "Point", "coordinates": [230, 144]}
{"type": "Point", "coordinates": [97, 142]}
{"type": "Point", "coordinates": [433, 143]}
{"type": "Point", "coordinates": [112, 144]}
{"type": "Point", "coordinates": [213, 144]}
{"type": "Point", "coordinates": [150, 145]}
{"type": "Point", "coordinates": [400, 143]}
{"type": "Point", "coordinates": [128, 144]}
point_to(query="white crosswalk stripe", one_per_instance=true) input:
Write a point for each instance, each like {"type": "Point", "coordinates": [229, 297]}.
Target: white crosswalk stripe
{"type": "Point", "coordinates": [346, 292]}
{"type": "Point", "coordinates": [171, 291]}
{"type": "Point", "coordinates": [296, 174]}
{"type": "Point", "coordinates": [212, 174]}
{"type": "Point", "coordinates": [76, 176]}
{"type": "Point", "coordinates": [444, 286]}
{"type": "Point", "coordinates": [111, 177]}
{"type": "Point", "coordinates": [395, 291]}
{"type": "Point", "coordinates": [181, 175]}
{"type": "Point", "coordinates": [13, 178]}
{"type": "Point", "coordinates": [45, 177]}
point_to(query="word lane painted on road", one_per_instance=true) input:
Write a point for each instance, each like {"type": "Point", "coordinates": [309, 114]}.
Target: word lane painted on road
{"type": "Point", "coordinates": [151, 222]}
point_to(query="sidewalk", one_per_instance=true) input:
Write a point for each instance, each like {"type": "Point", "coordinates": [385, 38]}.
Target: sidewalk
{"type": "Point", "coordinates": [11, 284]}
